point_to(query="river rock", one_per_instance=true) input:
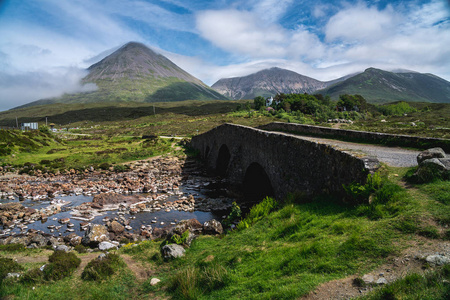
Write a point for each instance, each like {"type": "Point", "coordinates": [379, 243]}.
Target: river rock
{"type": "Point", "coordinates": [15, 275]}
{"type": "Point", "coordinates": [368, 279]}
{"type": "Point", "coordinates": [73, 239]}
{"type": "Point", "coordinates": [429, 154]}
{"type": "Point", "coordinates": [172, 251]}
{"type": "Point", "coordinates": [212, 227]}
{"type": "Point", "coordinates": [39, 240]}
{"type": "Point", "coordinates": [116, 227]}
{"type": "Point", "coordinates": [438, 260]}
{"type": "Point", "coordinates": [193, 225]}
{"type": "Point", "coordinates": [105, 246]}
{"type": "Point", "coordinates": [94, 235]}
{"type": "Point", "coordinates": [189, 239]}
{"type": "Point", "coordinates": [62, 248]}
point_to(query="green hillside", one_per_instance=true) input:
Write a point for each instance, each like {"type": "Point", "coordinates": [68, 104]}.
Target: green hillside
{"type": "Point", "coordinates": [378, 86]}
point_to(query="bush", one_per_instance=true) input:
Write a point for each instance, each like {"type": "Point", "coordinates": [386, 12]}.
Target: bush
{"type": "Point", "coordinates": [235, 214]}
{"type": "Point", "coordinates": [359, 193]}
{"type": "Point", "coordinates": [397, 109]}
{"type": "Point", "coordinates": [121, 168]}
{"type": "Point", "coordinates": [257, 212]}
{"type": "Point", "coordinates": [61, 264]}
{"type": "Point", "coordinates": [80, 248]}
{"type": "Point", "coordinates": [7, 265]}
{"type": "Point", "coordinates": [12, 247]}
{"type": "Point", "coordinates": [176, 239]}
{"type": "Point", "coordinates": [104, 166]}
{"type": "Point", "coordinates": [44, 129]}
{"type": "Point", "coordinates": [32, 276]}
{"type": "Point", "coordinates": [101, 268]}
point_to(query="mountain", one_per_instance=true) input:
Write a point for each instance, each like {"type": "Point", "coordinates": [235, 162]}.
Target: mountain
{"type": "Point", "coordinates": [267, 83]}
{"type": "Point", "coordinates": [378, 86]}
{"type": "Point", "coordinates": [137, 73]}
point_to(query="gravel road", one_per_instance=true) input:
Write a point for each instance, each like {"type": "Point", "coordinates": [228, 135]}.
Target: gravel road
{"type": "Point", "coordinates": [393, 156]}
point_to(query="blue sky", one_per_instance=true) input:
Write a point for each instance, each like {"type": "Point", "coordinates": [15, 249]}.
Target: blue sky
{"type": "Point", "coordinates": [45, 45]}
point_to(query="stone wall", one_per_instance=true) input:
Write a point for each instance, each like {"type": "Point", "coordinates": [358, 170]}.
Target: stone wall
{"type": "Point", "coordinates": [292, 164]}
{"type": "Point", "coordinates": [360, 136]}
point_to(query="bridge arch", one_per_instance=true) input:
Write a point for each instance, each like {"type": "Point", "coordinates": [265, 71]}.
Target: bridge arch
{"type": "Point", "coordinates": [206, 152]}
{"type": "Point", "coordinates": [223, 160]}
{"type": "Point", "coordinates": [257, 184]}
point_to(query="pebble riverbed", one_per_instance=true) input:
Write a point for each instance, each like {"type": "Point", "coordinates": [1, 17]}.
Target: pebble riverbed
{"type": "Point", "coordinates": [154, 193]}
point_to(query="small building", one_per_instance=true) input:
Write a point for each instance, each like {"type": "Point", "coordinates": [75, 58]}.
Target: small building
{"type": "Point", "coordinates": [269, 101]}
{"type": "Point", "coordinates": [29, 126]}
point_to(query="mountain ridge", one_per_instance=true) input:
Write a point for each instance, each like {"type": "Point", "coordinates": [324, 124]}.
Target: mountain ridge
{"type": "Point", "coordinates": [379, 86]}
{"type": "Point", "coordinates": [375, 85]}
{"type": "Point", "coordinates": [136, 73]}
{"type": "Point", "coordinates": [267, 82]}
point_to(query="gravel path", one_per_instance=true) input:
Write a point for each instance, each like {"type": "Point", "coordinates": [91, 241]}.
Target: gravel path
{"type": "Point", "coordinates": [393, 156]}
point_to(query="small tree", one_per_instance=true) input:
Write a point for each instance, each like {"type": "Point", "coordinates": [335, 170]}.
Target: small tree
{"type": "Point", "coordinates": [44, 129]}
{"type": "Point", "coordinates": [259, 102]}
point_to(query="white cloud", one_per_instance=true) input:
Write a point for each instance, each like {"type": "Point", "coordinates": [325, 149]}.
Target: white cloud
{"type": "Point", "coordinates": [360, 23]}
{"type": "Point", "coordinates": [271, 10]}
{"type": "Point", "coordinates": [241, 32]}
{"type": "Point", "coordinates": [150, 14]}
{"type": "Point", "coordinates": [20, 88]}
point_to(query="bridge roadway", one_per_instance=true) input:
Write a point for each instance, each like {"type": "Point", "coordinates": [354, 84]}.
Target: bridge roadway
{"type": "Point", "coordinates": [392, 156]}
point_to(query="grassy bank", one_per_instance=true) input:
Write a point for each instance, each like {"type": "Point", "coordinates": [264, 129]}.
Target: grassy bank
{"type": "Point", "coordinates": [285, 254]}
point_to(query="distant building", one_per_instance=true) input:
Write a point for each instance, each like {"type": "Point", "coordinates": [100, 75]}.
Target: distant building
{"type": "Point", "coordinates": [269, 101]}
{"type": "Point", "coordinates": [29, 126]}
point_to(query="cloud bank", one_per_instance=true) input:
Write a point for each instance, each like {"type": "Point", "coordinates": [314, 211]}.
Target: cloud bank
{"type": "Point", "coordinates": [22, 88]}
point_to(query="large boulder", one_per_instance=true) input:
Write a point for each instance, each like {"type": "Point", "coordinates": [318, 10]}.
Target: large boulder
{"type": "Point", "coordinates": [94, 235]}
{"type": "Point", "coordinates": [39, 240]}
{"type": "Point", "coordinates": [432, 168]}
{"type": "Point", "coordinates": [62, 248]}
{"type": "Point", "coordinates": [116, 227]}
{"type": "Point", "coordinates": [193, 225]}
{"type": "Point", "coordinates": [105, 246]}
{"type": "Point", "coordinates": [429, 154]}
{"type": "Point", "coordinates": [172, 251]}
{"type": "Point", "coordinates": [433, 164]}
{"type": "Point", "coordinates": [438, 260]}
{"type": "Point", "coordinates": [212, 227]}
{"type": "Point", "coordinates": [73, 239]}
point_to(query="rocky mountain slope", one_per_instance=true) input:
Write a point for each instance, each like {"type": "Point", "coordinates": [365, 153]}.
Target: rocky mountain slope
{"type": "Point", "coordinates": [267, 83]}
{"type": "Point", "coordinates": [378, 86]}
{"type": "Point", "coordinates": [137, 73]}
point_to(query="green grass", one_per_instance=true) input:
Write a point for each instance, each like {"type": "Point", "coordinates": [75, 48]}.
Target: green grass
{"type": "Point", "coordinates": [288, 253]}
{"type": "Point", "coordinates": [80, 152]}
{"type": "Point", "coordinates": [285, 254]}
{"type": "Point", "coordinates": [433, 286]}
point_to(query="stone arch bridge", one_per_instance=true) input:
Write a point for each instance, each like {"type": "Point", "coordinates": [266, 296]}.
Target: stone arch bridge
{"type": "Point", "coordinates": [273, 163]}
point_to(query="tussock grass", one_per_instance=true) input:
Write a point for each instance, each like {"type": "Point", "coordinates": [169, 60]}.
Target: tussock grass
{"type": "Point", "coordinates": [100, 269]}
{"type": "Point", "coordinates": [433, 285]}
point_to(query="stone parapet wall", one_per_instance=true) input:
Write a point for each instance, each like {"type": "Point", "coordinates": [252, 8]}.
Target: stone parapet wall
{"type": "Point", "coordinates": [360, 136]}
{"type": "Point", "coordinates": [292, 164]}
